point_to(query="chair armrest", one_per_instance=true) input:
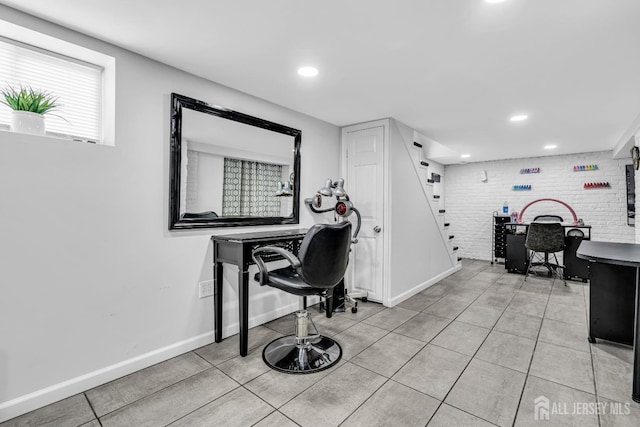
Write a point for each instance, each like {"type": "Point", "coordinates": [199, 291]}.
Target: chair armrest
{"type": "Point", "coordinates": [291, 258]}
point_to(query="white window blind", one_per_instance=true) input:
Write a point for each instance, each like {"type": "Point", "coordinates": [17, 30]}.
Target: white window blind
{"type": "Point", "coordinates": [76, 84]}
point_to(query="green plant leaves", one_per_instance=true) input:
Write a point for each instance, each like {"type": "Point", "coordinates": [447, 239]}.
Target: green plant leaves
{"type": "Point", "coordinates": [25, 98]}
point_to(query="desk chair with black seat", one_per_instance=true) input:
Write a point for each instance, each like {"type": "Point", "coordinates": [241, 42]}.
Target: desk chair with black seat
{"type": "Point", "coordinates": [546, 238]}
{"type": "Point", "coordinates": [320, 265]}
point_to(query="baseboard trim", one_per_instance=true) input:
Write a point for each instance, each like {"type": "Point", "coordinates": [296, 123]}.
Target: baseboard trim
{"type": "Point", "coordinates": [37, 399]}
{"type": "Point", "coordinates": [422, 286]}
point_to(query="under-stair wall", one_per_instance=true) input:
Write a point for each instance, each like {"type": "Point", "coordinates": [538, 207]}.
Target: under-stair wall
{"type": "Point", "coordinates": [421, 248]}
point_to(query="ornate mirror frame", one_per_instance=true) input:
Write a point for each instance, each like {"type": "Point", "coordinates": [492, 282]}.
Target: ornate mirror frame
{"type": "Point", "coordinates": [176, 222]}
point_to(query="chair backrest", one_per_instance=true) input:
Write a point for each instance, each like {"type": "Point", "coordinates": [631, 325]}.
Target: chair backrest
{"type": "Point", "coordinates": [324, 254]}
{"type": "Point", "coordinates": [545, 237]}
{"type": "Point", "coordinates": [548, 218]}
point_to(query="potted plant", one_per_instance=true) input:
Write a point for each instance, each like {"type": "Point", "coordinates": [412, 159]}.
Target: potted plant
{"type": "Point", "coordinates": [29, 106]}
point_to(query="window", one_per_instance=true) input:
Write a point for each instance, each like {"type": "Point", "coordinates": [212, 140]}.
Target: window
{"type": "Point", "coordinates": [81, 79]}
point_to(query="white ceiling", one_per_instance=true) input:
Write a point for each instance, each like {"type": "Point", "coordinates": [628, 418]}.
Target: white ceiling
{"type": "Point", "coordinates": [455, 70]}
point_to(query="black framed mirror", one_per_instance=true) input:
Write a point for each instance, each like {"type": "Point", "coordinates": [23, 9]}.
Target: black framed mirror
{"type": "Point", "coordinates": [230, 169]}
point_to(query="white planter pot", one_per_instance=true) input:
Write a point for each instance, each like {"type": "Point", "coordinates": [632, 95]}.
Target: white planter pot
{"type": "Point", "coordinates": [27, 122]}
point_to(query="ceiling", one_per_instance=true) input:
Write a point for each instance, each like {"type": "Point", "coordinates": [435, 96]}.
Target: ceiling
{"type": "Point", "coordinates": [455, 70]}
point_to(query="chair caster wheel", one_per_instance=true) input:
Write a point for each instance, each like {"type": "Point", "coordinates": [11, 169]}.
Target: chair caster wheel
{"type": "Point", "coordinates": [354, 309]}
{"type": "Point", "coordinates": [591, 340]}
{"type": "Point", "coordinates": [321, 306]}
{"type": "Point", "coordinates": [364, 299]}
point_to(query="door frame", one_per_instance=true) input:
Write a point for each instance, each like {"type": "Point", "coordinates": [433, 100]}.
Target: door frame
{"type": "Point", "coordinates": [386, 201]}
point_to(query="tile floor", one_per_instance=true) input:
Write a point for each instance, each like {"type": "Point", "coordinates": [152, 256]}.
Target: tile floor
{"type": "Point", "coordinates": [476, 349]}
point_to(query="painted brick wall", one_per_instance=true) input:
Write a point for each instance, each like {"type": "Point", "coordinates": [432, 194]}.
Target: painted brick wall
{"type": "Point", "coordinates": [470, 202]}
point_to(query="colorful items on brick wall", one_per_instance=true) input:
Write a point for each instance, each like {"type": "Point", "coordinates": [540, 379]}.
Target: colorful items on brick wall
{"type": "Point", "coordinates": [530, 170]}
{"type": "Point", "coordinates": [580, 168]}
{"type": "Point", "coordinates": [591, 185]}
{"type": "Point", "coordinates": [523, 187]}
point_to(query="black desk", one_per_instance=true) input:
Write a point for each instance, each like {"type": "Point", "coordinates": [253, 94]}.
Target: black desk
{"type": "Point", "coordinates": [624, 255]}
{"type": "Point", "coordinates": [517, 255]}
{"type": "Point", "coordinates": [236, 249]}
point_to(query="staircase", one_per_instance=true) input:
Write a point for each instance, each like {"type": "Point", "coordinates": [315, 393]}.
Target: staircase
{"type": "Point", "coordinates": [432, 188]}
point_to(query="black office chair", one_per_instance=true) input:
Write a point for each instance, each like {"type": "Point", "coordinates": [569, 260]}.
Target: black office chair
{"type": "Point", "coordinates": [318, 268]}
{"type": "Point", "coordinates": [547, 238]}
{"type": "Point", "coordinates": [548, 218]}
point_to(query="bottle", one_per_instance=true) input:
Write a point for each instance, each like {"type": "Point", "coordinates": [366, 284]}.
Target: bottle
{"type": "Point", "coordinates": [505, 208]}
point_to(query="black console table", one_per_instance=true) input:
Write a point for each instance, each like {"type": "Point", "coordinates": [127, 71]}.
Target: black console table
{"type": "Point", "coordinates": [236, 249]}
{"type": "Point", "coordinates": [615, 296]}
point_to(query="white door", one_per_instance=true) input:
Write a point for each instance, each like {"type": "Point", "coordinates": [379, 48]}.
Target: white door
{"type": "Point", "coordinates": [364, 184]}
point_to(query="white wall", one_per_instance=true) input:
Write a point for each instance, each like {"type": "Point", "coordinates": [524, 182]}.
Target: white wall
{"type": "Point", "coordinates": [93, 284]}
{"type": "Point", "coordinates": [470, 202]}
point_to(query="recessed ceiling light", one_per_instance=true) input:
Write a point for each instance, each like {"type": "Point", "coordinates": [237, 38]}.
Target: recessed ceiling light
{"type": "Point", "coordinates": [550, 146]}
{"type": "Point", "coordinates": [465, 156]}
{"type": "Point", "coordinates": [308, 71]}
{"type": "Point", "coordinates": [519, 118]}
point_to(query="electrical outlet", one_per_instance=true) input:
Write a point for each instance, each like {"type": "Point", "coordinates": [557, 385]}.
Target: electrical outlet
{"type": "Point", "coordinates": [205, 289]}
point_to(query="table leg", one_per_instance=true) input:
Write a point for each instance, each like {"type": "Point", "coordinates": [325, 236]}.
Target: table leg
{"type": "Point", "coordinates": [243, 301]}
{"type": "Point", "coordinates": [217, 301]}
{"type": "Point", "coordinates": [635, 393]}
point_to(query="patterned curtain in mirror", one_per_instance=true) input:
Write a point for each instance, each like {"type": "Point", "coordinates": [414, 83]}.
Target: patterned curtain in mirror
{"type": "Point", "coordinates": [249, 188]}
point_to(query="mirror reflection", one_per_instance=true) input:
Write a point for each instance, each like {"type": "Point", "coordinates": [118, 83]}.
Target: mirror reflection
{"type": "Point", "coordinates": [233, 169]}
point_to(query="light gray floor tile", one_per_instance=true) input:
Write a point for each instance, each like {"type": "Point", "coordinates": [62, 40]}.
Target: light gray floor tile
{"type": "Point", "coordinates": [566, 313]}
{"type": "Point", "coordinates": [507, 350]}
{"type": "Point", "coordinates": [423, 327]}
{"type": "Point", "coordinates": [357, 338]}
{"type": "Point", "coordinates": [448, 416]}
{"type": "Point", "coordinates": [365, 309]}
{"type": "Point", "coordinates": [276, 419]}
{"type": "Point", "coordinates": [116, 394]}
{"type": "Point", "coordinates": [70, 412]}
{"type": "Point", "coordinates": [394, 405]}
{"type": "Point", "coordinates": [461, 337]}
{"type": "Point", "coordinates": [388, 355]}
{"type": "Point", "coordinates": [433, 371]}
{"type": "Point", "coordinates": [465, 294]}
{"type": "Point", "coordinates": [418, 302]}
{"type": "Point", "coordinates": [487, 277]}
{"type": "Point", "coordinates": [244, 369]}
{"type": "Point", "coordinates": [439, 290]}
{"type": "Point", "coordinates": [480, 315]}
{"type": "Point", "coordinates": [498, 299]}
{"type": "Point", "coordinates": [331, 326]}
{"type": "Point", "coordinates": [620, 414]}
{"type": "Point", "coordinates": [536, 286]}
{"type": "Point", "coordinates": [92, 423]}
{"type": "Point", "coordinates": [238, 408]}
{"type": "Point", "coordinates": [449, 306]}
{"type": "Point", "coordinates": [519, 324]}
{"type": "Point", "coordinates": [565, 405]}
{"type": "Point", "coordinates": [528, 303]}
{"type": "Point", "coordinates": [563, 365]}
{"type": "Point", "coordinates": [613, 372]}
{"type": "Point", "coordinates": [173, 402]}
{"type": "Point", "coordinates": [565, 334]}
{"type": "Point", "coordinates": [333, 398]}
{"type": "Point", "coordinates": [277, 388]}
{"type": "Point", "coordinates": [229, 348]}
{"type": "Point", "coordinates": [390, 318]}
{"type": "Point", "coordinates": [488, 391]}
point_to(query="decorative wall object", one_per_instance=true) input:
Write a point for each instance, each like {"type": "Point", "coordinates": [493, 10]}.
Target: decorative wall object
{"type": "Point", "coordinates": [522, 187]}
{"type": "Point", "coordinates": [581, 168]}
{"type": "Point", "coordinates": [530, 170]}
{"type": "Point", "coordinates": [590, 185]}
{"type": "Point", "coordinates": [435, 177]}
